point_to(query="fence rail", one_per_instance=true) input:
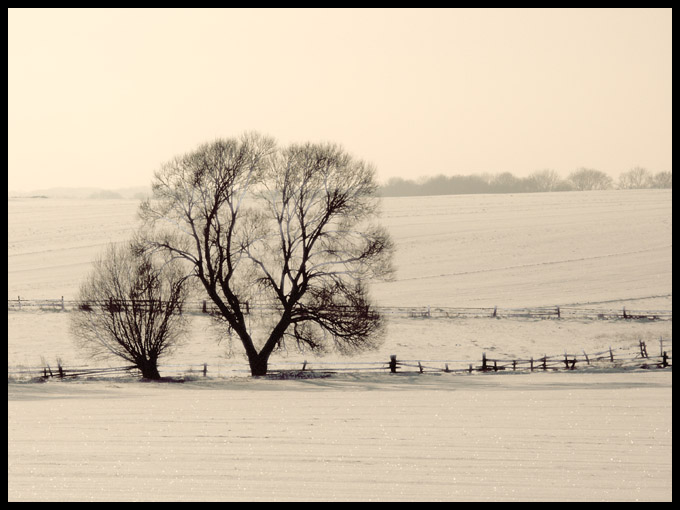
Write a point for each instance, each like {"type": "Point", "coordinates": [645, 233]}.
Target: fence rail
{"type": "Point", "coordinates": [545, 312]}
{"type": "Point", "coordinates": [610, 358]}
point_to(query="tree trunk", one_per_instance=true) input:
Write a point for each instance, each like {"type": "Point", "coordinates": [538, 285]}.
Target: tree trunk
{"type": "Point", "coordinates": [258, 365]}
{"type": "Point", "coordinates": [149, 370]}
{"type": "Point", "coordinates": [259, 360]}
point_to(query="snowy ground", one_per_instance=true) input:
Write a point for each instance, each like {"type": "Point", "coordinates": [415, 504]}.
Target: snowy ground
{"type": "Point", "coordinates": [525, 437]}
{"type": "Point", "coordinates": [582, 435]}
{"type": "Point", "coordinates": [604, 248]}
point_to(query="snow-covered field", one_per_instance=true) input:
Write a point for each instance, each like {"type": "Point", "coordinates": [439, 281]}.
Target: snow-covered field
{"type": "Point", "coordinates": [483, 437]}
{"type": "Point", "coordinates": [608, 247]}
{"type": "Point", "coordinates": [582, 435]}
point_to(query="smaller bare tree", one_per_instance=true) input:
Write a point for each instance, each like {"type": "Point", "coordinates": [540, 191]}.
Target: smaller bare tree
{"type": "Point", "coordinates": [130, 308]}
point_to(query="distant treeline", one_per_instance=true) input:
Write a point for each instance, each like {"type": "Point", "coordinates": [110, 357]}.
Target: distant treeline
{"type": "Point", "coordinates": [582, 179]}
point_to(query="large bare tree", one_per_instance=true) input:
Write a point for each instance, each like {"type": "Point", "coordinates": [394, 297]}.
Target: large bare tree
{"type": "Point", "coordinates": [130, 308]}
{"type": "Point", "coordinates": [289, 229]}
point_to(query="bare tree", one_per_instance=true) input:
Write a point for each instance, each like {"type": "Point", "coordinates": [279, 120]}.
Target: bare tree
{"type": "Point", "coordinates": [585, 179]}
{"type": "Point", "coordinates": [635, 178]}
{"type": "Point", "coordinates": [662, 180]}
{"type": "Point", "coordinates": [543, 180]}
{"type": "Point", "coordinates": [507, 183]}
{"type": "Point", "coordinates": [130, 308]}
{"type": "Point", "coordinates": [288, 229]}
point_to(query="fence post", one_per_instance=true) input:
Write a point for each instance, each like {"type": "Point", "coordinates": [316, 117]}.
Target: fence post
{"type": "Point", "coordinates": [420, 367]}
{"type": "Point", "coordinates": [545, 359]}
{"type": "Point", "coordinates": [611, 354]}
{"type": "Point", "coordinates": [19, 301]}
{"type": "Point", "coordinates": [566, 361]}
{"type": "Point", "coordinates": [531, 361]}
{"type": "Point", "coordinates": [483, 362]}
{"type": "Point", "coordinates": [62, 303]}
{"type": "Point", "coordinates": [661, 344]}
{"type": "Point", "coordinates": [304, 365]}
{"type": "Point", "coordinates": [587, 360]}
{"type": "Point", "coordinates": [664, 363]}
{"type": "Point", "coordinates": [495, 309]}
{"type": "Point", "coordinates": [393, 363]}
{"type": "Point", "coordinates": [205, 369]}
{"type": "Point", "coordinates": [643, 349]}
{"type": "Point", "coordinates": [558, 313]}
{"type": "Point", "coordinates": [205, 307]}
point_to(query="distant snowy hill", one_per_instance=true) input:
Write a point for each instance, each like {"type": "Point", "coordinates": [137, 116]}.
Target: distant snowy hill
{"type": "Point", "coordinates": [136, 192]}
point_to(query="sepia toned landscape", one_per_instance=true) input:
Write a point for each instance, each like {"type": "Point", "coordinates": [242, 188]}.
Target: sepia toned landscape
{"type": "Point", "coordinates": [339, 254]}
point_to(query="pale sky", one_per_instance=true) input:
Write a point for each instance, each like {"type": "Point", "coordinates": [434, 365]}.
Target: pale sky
{"type": "Point", "coordinates": [102, 98]}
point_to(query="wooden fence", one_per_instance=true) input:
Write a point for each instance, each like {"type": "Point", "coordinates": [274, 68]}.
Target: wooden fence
{"type": "Point", "coordinates": [549, 312]}
{"type": "Point", "coordinates": [610, 358]}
